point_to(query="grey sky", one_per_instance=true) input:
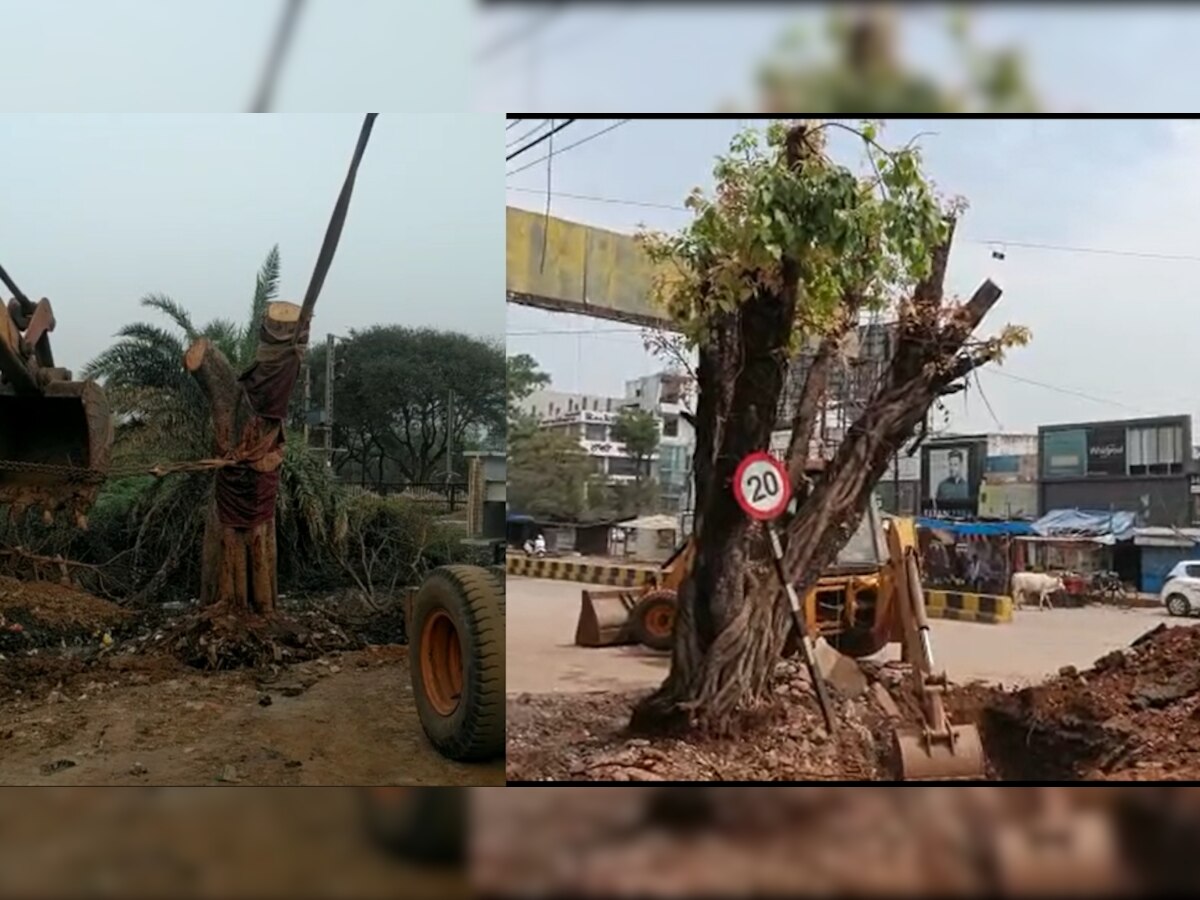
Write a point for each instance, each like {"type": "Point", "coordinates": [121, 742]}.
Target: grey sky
{"type": "Point", "coordinates": [607, 58]}
{"type": "Point", "coordinates": [205, 55]}
{"type": "Point", "coordinates": [1113, 327]}
{"type": "Point", "coordinates": [100, 210]}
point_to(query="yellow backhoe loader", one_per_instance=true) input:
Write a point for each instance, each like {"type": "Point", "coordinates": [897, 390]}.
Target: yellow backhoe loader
{"type": "Point", "coordinates": [869, 598]}
{"type": "Point", "coordinates": [55, 433]}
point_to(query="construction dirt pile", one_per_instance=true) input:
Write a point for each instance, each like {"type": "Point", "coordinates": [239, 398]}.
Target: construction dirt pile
{"type": "Point", "coordinates": [41, 613]}
{"type": "Point", "coordinates": [1135, 715]}
{"type": "Point", "coordinates": [584, 737]}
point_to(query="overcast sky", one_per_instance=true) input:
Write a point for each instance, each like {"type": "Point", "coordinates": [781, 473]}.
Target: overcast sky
{"type": "Point", "coordinates": [1117, 328]}
{"type": "Point", "coordinates": [207, 55]}
{"type": "Point", "coordinates": [652, 57]}
{"type": "Point", "coordinates": [101, 210]}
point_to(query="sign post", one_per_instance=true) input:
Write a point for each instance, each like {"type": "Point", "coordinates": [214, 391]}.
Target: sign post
{"type": "Point", "coordinates": [763, 490]}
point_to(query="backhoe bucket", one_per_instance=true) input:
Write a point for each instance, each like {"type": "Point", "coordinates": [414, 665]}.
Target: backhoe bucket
{"type": "Point", "coordinates": [926, 756]}
{"type": "Point", "coordinates": [55, 447]}
{"type": "Point", "coordinates": [604, 619]}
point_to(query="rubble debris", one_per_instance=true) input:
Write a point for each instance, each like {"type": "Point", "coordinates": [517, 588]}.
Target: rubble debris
{"type": "Point", "coordinates": [57, 766]}
{"type": "Point", "coordinates": [1134, 715]}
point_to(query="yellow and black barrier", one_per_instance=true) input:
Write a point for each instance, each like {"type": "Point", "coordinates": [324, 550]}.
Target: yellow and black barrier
{"type": "Point", "coordinates": [570, 570]}
{"type": "Point", "coordinates": [968, 607]}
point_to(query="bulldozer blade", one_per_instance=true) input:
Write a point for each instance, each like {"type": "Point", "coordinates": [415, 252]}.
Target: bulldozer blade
{"type": "Point", "coordinates": [55, 447]}
{"type": "Point", "coordinates": [959, 758]}
{"type": "Point", "coordinates": [604, 619]}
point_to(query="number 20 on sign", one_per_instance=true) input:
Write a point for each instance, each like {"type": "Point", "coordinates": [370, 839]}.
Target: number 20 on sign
{"type": "Point", "coordinates": [761, 486]}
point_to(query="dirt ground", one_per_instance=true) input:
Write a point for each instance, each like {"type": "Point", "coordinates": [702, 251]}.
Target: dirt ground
{"type": "Point", "coordinates": [542, 657]}
{"type": "Point", "coordinates": [1135, 718]}
{"type": "Point", "coordinates": [85, 700]}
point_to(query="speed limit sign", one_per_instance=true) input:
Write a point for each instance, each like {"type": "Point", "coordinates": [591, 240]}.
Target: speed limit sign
{"type": "Point", "coordinates": [761, 486]}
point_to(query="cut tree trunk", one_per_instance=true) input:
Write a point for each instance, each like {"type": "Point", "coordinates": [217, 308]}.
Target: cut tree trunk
{"type": "Point", "coordinates": [239, 562]}
{"type": "Point", "coordinates": [733, 618]}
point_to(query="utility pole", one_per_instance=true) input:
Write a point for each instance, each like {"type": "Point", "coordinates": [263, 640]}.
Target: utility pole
{"type": "Point", "coordinates": [307, 399]}
{"type": "Point", "coordinates": [329, 350]}
{"type": "Point", "coordinates": [896, 482]}
{"type": "Point", "coordinates": [449, 438]}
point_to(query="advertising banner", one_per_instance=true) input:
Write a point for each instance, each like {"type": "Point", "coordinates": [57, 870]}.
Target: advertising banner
{"type": "Point", "coordinates": [1106, 450]}
{"type": "Point", "coordinates": [1064, 453]}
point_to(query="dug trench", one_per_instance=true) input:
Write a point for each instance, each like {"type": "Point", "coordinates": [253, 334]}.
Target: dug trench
{"type": "Point", "coordinates": [95, 693]}
{"type": "Point", "coordinates": [1134, 715]}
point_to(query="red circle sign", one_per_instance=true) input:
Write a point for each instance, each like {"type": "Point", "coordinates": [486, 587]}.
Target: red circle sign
{"type": "Point", "coordinates": [761, 486]}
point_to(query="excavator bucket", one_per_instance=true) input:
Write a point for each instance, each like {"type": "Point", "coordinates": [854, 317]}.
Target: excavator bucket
{"type": "Point", "coordinates": [55, 434]}
{"type": "Point", "coordinates": [952, 756]}
{"type": "Point", "coordinates": [604, 619]}
{"type": "Point", "coordinates": [939, 750]}
{"type": "Point", "coordinates": [55, 446]}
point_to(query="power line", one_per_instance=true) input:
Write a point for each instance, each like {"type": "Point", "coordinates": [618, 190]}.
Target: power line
{"type": "Point", "coordinates": [1032, 245]}
{"type": "Point", "coordinates": [1068, 391]}
{"type": "Point", "coordinates": [569, 146]}
{"type": "Point", "coordinates": [534, 143]}
{"type": "Point", "coordinates": [603, 199]}
{"type": "Point", "coordinates": [534, 130]}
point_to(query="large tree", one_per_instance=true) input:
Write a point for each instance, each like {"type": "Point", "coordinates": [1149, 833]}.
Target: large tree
{"type": "Point", "coordinates": [865, 73]}
{"type": "Point", "coordinates": [793, 247]}
{"type": "Point", "coordinates": [548, 473]}
{"type": "Point", "coordinates": [403, 396]}
{"type": "Point", "coordinates": [637, 429]}
{"type": "Point", "coordinates": [524, 377]}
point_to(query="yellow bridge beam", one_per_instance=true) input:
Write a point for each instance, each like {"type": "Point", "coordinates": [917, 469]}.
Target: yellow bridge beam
{"type": "Point", "coordinates": [564, 266]}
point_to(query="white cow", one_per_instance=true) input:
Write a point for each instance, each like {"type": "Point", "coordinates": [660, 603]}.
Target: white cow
{"type": "Point", "coordinates": [1035, 584]}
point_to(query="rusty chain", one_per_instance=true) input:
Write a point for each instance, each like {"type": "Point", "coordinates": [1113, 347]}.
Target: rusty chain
{"type": "Point", "coordinates": [68, 473]}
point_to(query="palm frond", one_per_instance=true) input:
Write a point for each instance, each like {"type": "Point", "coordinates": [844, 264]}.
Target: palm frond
{"type": "Point", "coordinates": [177, 313]}
{"type": "Point", "coordinates": [266, 289]}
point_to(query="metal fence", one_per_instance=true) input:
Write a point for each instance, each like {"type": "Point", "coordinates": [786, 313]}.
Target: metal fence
{"type": "Point", "coordinates": [453, 495]}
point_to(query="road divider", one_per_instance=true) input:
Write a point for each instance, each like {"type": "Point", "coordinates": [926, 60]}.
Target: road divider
{"type": "Point", "coordinates": [588, 572]}
{"type": "Point", "coordinates": [968, 607]}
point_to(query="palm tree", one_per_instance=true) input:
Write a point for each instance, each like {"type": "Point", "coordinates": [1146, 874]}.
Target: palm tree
{"type": "Point", "coordinates": [163, 416]}
{"type": "Point", "coordinates": [159, 407]}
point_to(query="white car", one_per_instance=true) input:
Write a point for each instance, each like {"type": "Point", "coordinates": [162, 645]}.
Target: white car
{"type": "Point", "coordinates": [1181, 591]}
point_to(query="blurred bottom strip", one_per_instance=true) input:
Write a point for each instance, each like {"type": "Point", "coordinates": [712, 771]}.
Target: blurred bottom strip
{"type": "Point", "coordinates": [597, 841]}
{"type": "Point", "coordinates": [239, 842]}
{"type": "Point", "coordinates": [755, 841]}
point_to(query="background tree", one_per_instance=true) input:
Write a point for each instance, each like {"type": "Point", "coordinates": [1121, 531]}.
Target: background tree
{"type": "Point", "coordinates": [867, 75]}
{"type": "Point", "coordinates": [790, 247]}
{"type": "Point", "coordinates": [548, 474]}
{"type": "Point", "coordinates": [397, 389]}
{"type": "Point", "coordinates": [524, 377]}
{"type": "Point", "coordinates": [637, 429]}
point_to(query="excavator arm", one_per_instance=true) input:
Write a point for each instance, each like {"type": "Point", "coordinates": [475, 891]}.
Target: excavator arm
{"type": "Point", "coordinates": [55, 433]}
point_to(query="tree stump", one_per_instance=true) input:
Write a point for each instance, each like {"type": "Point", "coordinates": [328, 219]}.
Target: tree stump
{"type": "Point", "coordinates": [238, 570]}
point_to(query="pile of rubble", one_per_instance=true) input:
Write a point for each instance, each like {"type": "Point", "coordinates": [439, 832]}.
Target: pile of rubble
{"type": "Point", "coordinates": [1135, 715]}
{"type": "Point", "coordinates": [584, 737]}
{"type": "Point", "coordinates": [35, 614]}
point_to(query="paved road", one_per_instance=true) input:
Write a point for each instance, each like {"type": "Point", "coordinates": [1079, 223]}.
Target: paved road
{"type": "Point", "coordinates": [543, 659]}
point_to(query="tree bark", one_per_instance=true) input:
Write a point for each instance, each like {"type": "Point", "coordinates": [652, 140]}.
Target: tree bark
{"type": "Point", "coordinates": [733, 619]}
{"type": "Point", "coordinates": [239, 558]}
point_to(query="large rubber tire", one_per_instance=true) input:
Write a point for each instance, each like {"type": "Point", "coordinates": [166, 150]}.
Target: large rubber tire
{"type": "Point", "coordinates": [423, 824]}
{"type": "Point", "coordinates": [1177, 605]}
{"type": "Point", "coordinates": [458, 618]}
{"type": "Point", "coordinates": [653, 620]}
